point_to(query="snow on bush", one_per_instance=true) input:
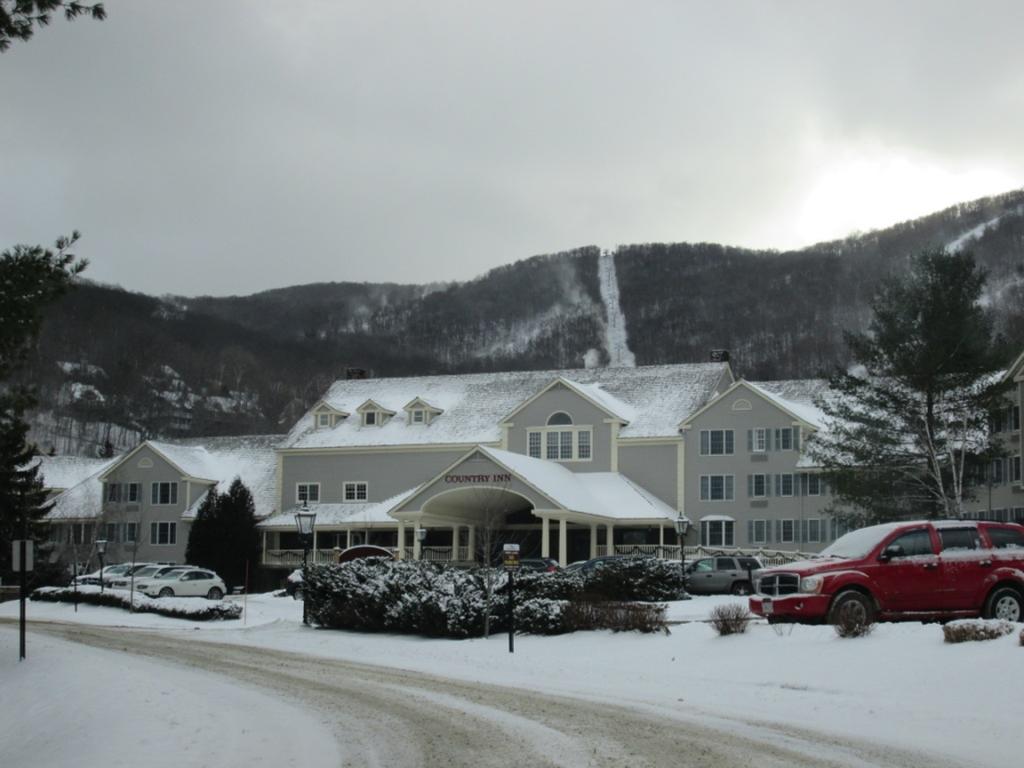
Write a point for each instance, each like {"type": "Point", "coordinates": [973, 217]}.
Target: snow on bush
{"type": "Point", "coordinates": [193, 609]}
{"type": "Point", "coordinates": [417, 597]}
{"type": "Point", "coordinates": [730, 619]}
{"type": "Point", "coordinates": [969, 630]}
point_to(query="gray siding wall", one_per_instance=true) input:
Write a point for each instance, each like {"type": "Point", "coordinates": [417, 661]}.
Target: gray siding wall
{"type": "Point", "coordinates": [560, 398]}
{"type": "Point", "coordinates": [742, 463]}
{"type": "Point", "coordinates": [653, 467]}
{"type": "Point", "coordinates": [386, 472]}
{"type": "Point", "coordinates": [145, 512]}
{"type": "Point", "coordinates": [1006, 495]}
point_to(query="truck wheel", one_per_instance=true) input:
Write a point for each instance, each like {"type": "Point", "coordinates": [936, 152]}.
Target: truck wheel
{"type": "Point", "coordinates": [741, 588]}
{"type": "Point", "coordinates": [1004, 603]}
{"type": "Point", "coordinates": [852, 607]}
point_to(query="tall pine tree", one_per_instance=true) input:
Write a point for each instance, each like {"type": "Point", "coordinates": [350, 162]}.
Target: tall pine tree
{"type": "Point", "coordinates": [905, 424]}
{"type": "Point", "coordinates": [224, 536]}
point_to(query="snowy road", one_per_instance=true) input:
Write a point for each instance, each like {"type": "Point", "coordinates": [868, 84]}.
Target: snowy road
{"type": "Point", "coordinates": [387, 717]}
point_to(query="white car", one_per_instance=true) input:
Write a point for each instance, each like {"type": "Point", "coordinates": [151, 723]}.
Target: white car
{"type": "Point", "coordinates": [142, 574]}
{"type": "Point", "coordinates": [109, 572]}
{"type": "Point", "coordinates": [193, 582]}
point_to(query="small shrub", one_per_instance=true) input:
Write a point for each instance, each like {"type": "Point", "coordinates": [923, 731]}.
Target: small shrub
{"type": "Point", "coordinates": [971, 630]}
{"type": "Point", "coordinates": [635, 578]}
{"type": "Point", "coordinates": [618, 617]}
{"type": "Point", "coordinates": [849, 625]}
{"type": "Point", "coordinates": [191, 608]}
{"type": "Point", "coordinates": [731, 619]}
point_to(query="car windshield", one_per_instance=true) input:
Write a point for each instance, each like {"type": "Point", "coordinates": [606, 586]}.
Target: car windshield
{"type": "Point", "coordinates": [114, 570]}
{"type": "Point", "coordinates": [857, 544]}
{"type": "Point", "coordinates": [146, 572]}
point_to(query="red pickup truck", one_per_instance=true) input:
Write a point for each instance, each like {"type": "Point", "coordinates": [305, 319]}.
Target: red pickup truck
{"type": "Point", "coordinates": [899, 571]}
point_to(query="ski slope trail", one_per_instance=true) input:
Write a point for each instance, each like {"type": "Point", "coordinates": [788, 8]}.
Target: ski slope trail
{"type": "Point", "coordinates": [619, 355]}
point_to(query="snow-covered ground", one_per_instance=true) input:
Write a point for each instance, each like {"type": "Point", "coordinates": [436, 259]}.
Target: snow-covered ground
{"type": "Point", "coordinates": [901, 686]}
{"type": "Point", "coordinates": [71, 705]}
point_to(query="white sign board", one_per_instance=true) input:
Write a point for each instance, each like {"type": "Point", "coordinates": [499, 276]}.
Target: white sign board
{"type": "Point", "coordinates": [16, 556]}
{"type": "Point", "coordinates": [511, 547]}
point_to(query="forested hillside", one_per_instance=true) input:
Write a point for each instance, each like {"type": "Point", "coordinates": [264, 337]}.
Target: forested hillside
{"type": "Point", "coordinates": [114, 366]}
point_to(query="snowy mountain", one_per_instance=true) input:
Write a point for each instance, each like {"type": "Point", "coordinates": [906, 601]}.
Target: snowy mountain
{"type": "Point", "coordinates": [254, 363]}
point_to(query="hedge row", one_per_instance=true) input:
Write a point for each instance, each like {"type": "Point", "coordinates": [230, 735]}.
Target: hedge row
{"type": "Point", "coordinates": [416, 597]}
{"type": "Point", "coordinates": [193, 609]}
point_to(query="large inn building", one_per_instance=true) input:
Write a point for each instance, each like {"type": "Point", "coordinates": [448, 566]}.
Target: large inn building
{"type": "Point", "coordinates": [569, 464]}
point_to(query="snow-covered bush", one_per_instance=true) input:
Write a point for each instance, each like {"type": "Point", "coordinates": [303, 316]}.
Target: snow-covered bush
{"type": "Point", "coordinates": [730, 619]}
{"type": "Point", "coordinates": [969, 630]}
{"type": "Point", "coordinates": [635, 578]}
{"type": "Point", "coordinates": [423, 598]}
{"type": "Point", "coordinates": [541, 616]}
{"type": "Point", "coordinates": [382, 595]}
{"type": "Point", "coordinates": [192, 608]}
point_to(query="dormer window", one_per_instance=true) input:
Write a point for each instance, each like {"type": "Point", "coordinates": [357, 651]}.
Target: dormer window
{"type": "Point", "coordinates": [369, 418]}
{"type": "Point", "coordinates": [374, 414]}
{"type": "Point", "coordinates": [326, 416]}
{"type": "Point", "coordinates": [421, 412]}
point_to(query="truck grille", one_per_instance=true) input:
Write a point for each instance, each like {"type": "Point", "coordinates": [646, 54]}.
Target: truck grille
{"type": "Point", "coordinates": [776, 584]}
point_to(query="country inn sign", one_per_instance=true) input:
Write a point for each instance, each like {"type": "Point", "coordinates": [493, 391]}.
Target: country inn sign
{"type": "Point", "coordinates": [569, 464]}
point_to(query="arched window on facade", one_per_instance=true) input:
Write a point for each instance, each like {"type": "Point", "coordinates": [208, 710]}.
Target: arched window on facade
{"type": "Point", "coordinates": [558, 419]}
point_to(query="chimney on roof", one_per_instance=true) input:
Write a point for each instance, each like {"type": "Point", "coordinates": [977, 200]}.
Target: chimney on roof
{"type": "Point", "coordinates": [719, 355]}
{"type": "Point", "coordinates": [355, 373]}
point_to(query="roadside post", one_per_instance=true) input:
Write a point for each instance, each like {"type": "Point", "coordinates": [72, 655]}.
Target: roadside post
{"type": "Point", "coordinates": [22, 554]}
{"type": "Point", "coordinates": [510, 559]}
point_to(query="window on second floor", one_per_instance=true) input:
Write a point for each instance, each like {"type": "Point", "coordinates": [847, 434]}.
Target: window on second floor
{"type": "Point", "coordinates": [307, 493]}
{"type": "Point", "coordinates": [716, 442]}
{"type": "Point", "coordinates": [355, 491]}
{"type": "Point", "coordinates": [164, 493]}
{"type": "Point", "coordinates": [560, 444]}
{"type": "Point", "coordinates": [716, 487]}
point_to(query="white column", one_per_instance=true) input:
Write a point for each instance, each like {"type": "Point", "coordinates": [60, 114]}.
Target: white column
{"type": "Point", "coordinates": [563, 549]}
{"type": "Point", "coordinates": [661, 541]}
{"type": "Point", "coordinates": [455, 543]}
{"type": "Point", "coordinates": [610, 549]}
{"type": "Point", "coordinates": [416, 543]}
{"type": "Point", "coordinates": [348, 538]}
{"type": "Point", "coordinates": [314, 544]}
{"type": "Point", "coordinates": [545, 537]}
{"type": "Point", "coordinates": [472, 543]}
{"type": "Point", "coordinates": [401, 540]}
{"type": "Point", "coordinates": [593, 540]}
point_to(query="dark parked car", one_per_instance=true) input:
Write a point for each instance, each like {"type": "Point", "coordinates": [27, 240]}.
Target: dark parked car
{"type": "Point", "coordinates": [589, 565]}
{"type": "Point", "coordinates": [539, 564]}
{"type": "Point", "coordinates": [722, 575]}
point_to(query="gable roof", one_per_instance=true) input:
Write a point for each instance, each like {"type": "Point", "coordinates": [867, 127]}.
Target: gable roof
{"type": "Point", "coordinates": [652, 398]}
{"type": "Point", "coordinates": [794, 397]}
{"type": "Point", "coordinates": [592, 393]}
{"type": "Point", "coordinates": [62, 472]}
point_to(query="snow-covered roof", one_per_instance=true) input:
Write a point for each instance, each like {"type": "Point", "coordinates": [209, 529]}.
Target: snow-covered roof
{"type": "Point", "coordinates": [606, 494]}
{"type": "Point", "coordinates": [221, 459]}
{"type": "Point", "coordinates": [796, 396]}
{"type": "Point", "coordinates": [348, 514]}
{"type": "Point", "coordinates": [82, 501]}
{"type": "Point", "coordinates": [653, 399]}
{"type": "Point", "coordinates": [60, 472]}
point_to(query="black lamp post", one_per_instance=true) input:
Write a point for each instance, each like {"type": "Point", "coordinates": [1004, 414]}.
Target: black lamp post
{"type": "Point", "coordinates": [421, 536]}
{"type": "Point", "coordinates": [101, 550]}
{"type": "Point", "coordinates": [305, 521]}
{"type": "Point", "coordinates": [682, 526]}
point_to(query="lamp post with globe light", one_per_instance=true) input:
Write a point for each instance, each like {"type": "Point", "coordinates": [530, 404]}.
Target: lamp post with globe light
{"type": "Point", "coordinates": [101, 551]}
{"type": "Point", "coordinates": [305, 522]}
{"type": "Point", "coordinates": [682, 526]}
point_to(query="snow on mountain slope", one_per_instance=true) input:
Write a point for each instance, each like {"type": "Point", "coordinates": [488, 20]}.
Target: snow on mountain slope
{"type": "Point", "coordinates": [619, 353]}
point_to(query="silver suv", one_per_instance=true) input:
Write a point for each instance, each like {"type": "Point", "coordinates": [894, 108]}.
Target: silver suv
{"type": "Point", "coordinates": [722, 575]}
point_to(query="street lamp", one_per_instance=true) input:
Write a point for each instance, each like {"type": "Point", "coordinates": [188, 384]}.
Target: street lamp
{"type": "Point", "coordinates": [305, 521]}
{"type": "Point", "coordinates": [682, 526]}
{"type": "Point", "coordinates": [101, 550]}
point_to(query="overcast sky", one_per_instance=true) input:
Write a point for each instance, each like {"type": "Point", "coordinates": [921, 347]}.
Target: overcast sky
{"type": "Point", "coordinates": [228, 147]}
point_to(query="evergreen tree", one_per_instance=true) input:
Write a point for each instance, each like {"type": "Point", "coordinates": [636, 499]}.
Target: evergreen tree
{"type": "Point", "coordinates": [906, 422]}
{"type": "Point", "coordinates": [201, 548]}
{"type": "Point", "coordinates": [19, 18]}
{"type": "Point", "coordinates": [22, 496]}
{"type": "Point", "coordinates": [224, 537]}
